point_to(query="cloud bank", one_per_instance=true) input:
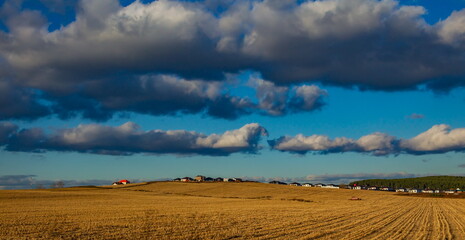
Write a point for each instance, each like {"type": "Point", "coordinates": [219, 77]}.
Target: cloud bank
{"type": "Point", "coordinates": [113, 58]}
{"type": "Point", "coordinates": [127, 139]}
{"type": "Point", "coordinates": [438, 139]}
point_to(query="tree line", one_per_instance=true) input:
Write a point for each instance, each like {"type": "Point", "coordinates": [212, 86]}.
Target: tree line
{"type": "Point", "coordinates": [432, 182]}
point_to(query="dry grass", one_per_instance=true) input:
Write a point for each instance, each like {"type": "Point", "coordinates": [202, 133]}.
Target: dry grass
{"type": "Point", "coordinates": [225, 211]}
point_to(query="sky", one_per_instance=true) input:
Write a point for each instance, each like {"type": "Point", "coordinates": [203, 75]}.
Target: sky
{"type": "Point", "coordinates": [332, 91]}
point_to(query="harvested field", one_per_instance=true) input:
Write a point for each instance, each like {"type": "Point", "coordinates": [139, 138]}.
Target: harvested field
{"type": "Point", "coordinates": [173, 210]}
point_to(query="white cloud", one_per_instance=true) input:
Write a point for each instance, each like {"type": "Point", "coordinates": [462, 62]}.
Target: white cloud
{"type": "Point", "coordinates": [438, 139]}
{"type": "Point", "coordinates": [128, 139]}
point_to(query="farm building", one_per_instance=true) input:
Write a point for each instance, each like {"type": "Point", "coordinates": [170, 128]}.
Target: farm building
{"type": "Point", "coordinates": [186, 179]}
{"type": "Point", "coordinates": [295, 184]}
{"type": "Point", "coordinates": [200, 178]}
{"type": "Point", "coordinates": [122, 182]}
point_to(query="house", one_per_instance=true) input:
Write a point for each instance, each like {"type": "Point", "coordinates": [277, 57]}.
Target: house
{"type": "Point", "coordinates": [228, 180]}
{"type": "Point", "coordinates": [186, 179]}
{"type": "Point", "coordinates": [330, 186]}
{"type": "Point", "coordinates": [437, 191]}
{"type": "Point", "coordinates": [124, 181]}
{"type": "Point", "coordinates": [237, 179]}
{"type": "Point", "coordinates": [319, 185]}
{"type": "Point", "coordinates": [386, 189]}
{"type": "Point", "coordinates": [413, 191]}
{"type": "Point", "coordinates": [449, 191]}
{"type": "Point", "coordinates": [427, 191]}
{"type": "Point", "coordinates": [357, 188]}
{"type": "Point", "coordinates": [307, 185]}
{"type": "Point", "coordinates": [400, 190]}
{"type": "Point", "coordinates": [295, 184]}
{"type": "Point", "coordinates": [177, 179]}
{"type": "Point", "coordinates": [372, 188]}
{"type": "Point", "coordinates": [200, 178]}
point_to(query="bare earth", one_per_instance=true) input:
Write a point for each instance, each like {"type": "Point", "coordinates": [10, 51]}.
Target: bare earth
{"type": "Point", "coordinates": [173, 210]}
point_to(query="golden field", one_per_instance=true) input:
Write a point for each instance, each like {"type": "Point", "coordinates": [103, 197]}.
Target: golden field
{"type": "Point", "coordinates": [174, 210]}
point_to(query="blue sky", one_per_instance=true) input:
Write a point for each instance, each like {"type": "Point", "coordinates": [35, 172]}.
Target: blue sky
{"type": "Point", "coordinates": [332, 91]}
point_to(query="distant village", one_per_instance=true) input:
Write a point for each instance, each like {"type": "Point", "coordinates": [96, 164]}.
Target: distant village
{"type": "Point", "coordinates": [200, 178]}
{"type": "Point", "coordinates": [370, 188]}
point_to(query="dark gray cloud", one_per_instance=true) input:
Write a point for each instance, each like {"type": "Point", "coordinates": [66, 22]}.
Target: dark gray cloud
{"type": "Point", "coordinates": [20, 103]}
{"type": "Point", "coordinates": [6, 130]}
{"type": "Point", "coordinates": [438, 139]}
{"type": "Point", "coordinates": [416, 116]}
{"type": "Point", "coordinates": [171, 95]}
{"type": "Point", "coordinates": [369, 44]}
{"type": "Point", "coordinates": [127, 139]}
{"type": "Point", "coordinates": [279, 100]}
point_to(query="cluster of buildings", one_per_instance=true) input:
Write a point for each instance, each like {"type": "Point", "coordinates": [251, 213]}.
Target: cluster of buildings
{"type": "Point", "coordinates": [200, 178]}
{"type": "Point", "coordinates": [371, 188]}
{"type": "Point", "coordinates": [321, 185]}
{"type": "Point", "coordinates": [405, 190]}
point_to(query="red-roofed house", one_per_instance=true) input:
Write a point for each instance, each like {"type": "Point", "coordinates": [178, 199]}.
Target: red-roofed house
{"type": "Point", "coordinates": [124, 181]}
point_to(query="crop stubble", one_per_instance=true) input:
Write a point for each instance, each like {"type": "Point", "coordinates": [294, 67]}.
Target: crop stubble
{"type": "Point", "coordinates": [171, 210]}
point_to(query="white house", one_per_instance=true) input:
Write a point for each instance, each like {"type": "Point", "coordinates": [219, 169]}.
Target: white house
{"type": "Point", "coordinates": [400, 190]}
{"type": "Point", "coordinates": [413, 190]}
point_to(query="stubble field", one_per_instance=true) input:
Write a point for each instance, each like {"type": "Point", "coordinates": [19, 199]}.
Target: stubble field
{"type": "Point", "coordinates": [173, 210]}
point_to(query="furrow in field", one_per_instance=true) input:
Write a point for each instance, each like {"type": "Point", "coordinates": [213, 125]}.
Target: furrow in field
{"type": "Point", "coordinates": [425, 222]}
{"type": "Point", "coordinates": [344, 229]}
{"type": "Point", "coordinates": [443, 230]}
{"type": "Point", "coordinates": [399, 226]}
{"type": "Point", "coordinates": [313, 221]}
{"type": "Point", "coordinates": [370, 227]}
{"type": "Point", "coordinates": [455, 217]}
